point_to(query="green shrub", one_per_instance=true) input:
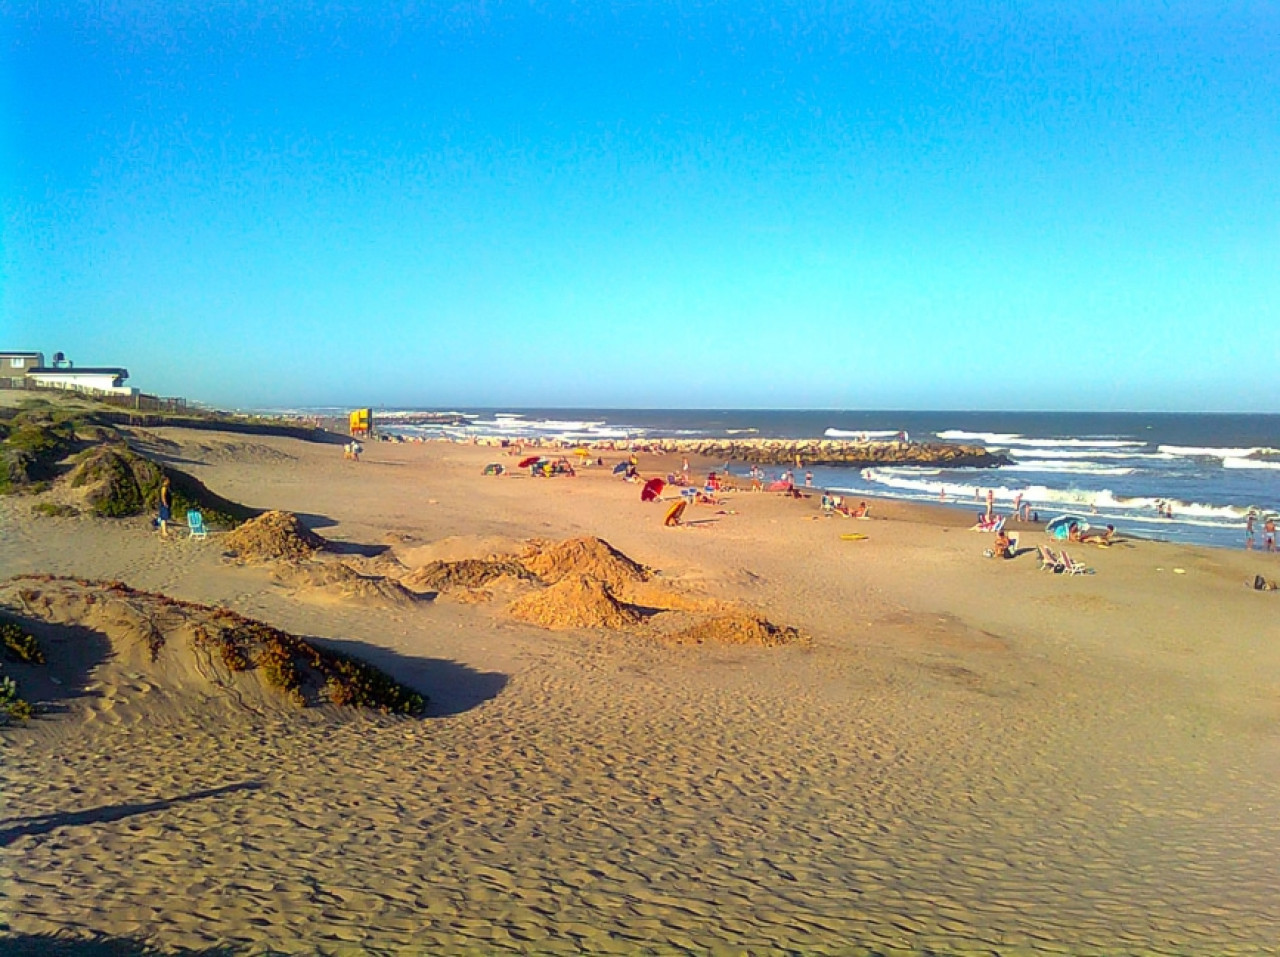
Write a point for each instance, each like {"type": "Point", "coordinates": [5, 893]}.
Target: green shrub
{"type": "Point", "coordinates": [13, 707]}
{"type": "Point", "coordinates": [20, 646]}
{"type": "Point", "coordinates": [354, 683]}
{"type": "Point", "coordinates": [54, 510]}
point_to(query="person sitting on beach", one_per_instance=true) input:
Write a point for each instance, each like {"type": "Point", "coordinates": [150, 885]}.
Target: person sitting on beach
{"type": "Point", "coordinates": [1073, 533]}
{"type": "Point", "coordinates": [1003, 547]}
{"type": "Point", "coordinates": [1100, 538]}
{"type": "Point", "coordinates": [862, 510]}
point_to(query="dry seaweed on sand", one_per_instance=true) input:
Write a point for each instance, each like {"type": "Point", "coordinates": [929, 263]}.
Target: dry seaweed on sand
{"type": "Point", "coordinates": [736, 628]}
{"type": "Point", "coordinates": [274, 536]}
{"type": "Point", "coordinates": [466, 573]}
{"type": "Point", "coordinates": [588, 556]}
{"type": "Point", "coordinates": [577, 601]}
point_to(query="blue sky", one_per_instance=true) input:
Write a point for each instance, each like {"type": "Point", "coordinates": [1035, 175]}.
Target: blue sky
{"type": "Point", "coordinates": [958, 205]}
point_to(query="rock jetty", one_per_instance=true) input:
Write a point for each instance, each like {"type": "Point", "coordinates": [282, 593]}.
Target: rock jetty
{"type": "Point", "coordinates": [835, 452]}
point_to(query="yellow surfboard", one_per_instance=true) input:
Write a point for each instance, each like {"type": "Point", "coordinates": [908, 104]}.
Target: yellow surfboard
{"type": "Point", "coordinates": [853, 537]}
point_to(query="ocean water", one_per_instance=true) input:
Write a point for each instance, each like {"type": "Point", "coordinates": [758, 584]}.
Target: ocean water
{"type": "Point", "coordinates": [1118, 468]}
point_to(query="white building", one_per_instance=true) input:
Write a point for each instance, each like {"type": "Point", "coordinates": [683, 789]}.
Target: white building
{"type": "Point", "coordinates": [96, 381]}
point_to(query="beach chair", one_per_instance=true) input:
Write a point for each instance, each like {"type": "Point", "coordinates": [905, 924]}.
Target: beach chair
{"type": "Point", "coordinates": [1048, 560]}
{"type": "Point", "coordinates": [1073, 567]}
{"type": "Point", "coordinates": [195, 522]}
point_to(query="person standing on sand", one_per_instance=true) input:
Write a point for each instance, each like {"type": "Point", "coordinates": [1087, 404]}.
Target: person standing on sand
{"type": "Point", "coordinates": [1248, 532]}
{"type": "Point", "coordinates": [991, 503]}
{"type": "Point", "coordinates": [166, 506]}
{"type": "Point", "coordinates": [1269, 535]}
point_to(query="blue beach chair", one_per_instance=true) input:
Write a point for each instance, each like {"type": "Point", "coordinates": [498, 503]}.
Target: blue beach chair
{"type": "Point", "coordinates": [195, 521]}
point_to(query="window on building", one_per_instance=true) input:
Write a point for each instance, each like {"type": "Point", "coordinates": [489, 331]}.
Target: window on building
{"type": "Point", "coordinates": [16, 362]}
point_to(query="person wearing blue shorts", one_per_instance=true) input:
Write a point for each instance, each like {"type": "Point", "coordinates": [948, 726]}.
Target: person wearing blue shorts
{"type": "Point", "coordinates": [166, 506]}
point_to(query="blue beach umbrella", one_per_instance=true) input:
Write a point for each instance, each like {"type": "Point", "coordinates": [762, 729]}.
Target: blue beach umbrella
{"type": "Point", "coordinates": [1060, 527]}
{"type": "Point", "coordinates": [619, 468]}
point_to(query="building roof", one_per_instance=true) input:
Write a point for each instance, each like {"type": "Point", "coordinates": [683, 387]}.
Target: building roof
{"type": "Point", "coordinates": [10, 354]}
{"type": "Point", "coordinates": [79, 370]}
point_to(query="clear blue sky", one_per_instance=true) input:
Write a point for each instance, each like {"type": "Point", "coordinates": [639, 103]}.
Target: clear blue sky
{"type": "Point", "coordinates": [798, 205]}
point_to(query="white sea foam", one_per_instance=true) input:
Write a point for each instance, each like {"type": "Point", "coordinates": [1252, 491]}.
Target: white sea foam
{"type": "Point", "coordinates": [1088, 454]}
{"type": "Point", "coordinates": [1075, 468]}
{"type": "Point", "coordinates": [861, 433]}
{"type": "Point", "coordinates": [1104, 500]}
{"type": "Point", "coordinates": [991, 438]}
{"type": "Point", "coordinates": [1239, 463]}
{"type": "Point", "coordinates": [1210, 453]}
{"type": "Point", "coordinates": [1013, 439]}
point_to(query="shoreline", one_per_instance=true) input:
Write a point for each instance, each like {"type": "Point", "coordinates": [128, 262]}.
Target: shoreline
{"type": "Point", "coordinates": [937, 767]}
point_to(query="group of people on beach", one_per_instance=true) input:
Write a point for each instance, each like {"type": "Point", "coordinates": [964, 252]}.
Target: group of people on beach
{"type": "Point", "coordinates": [1268, 533]}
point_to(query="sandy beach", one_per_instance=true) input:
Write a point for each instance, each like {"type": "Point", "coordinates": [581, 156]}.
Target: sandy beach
{"type": "Point", "coordinates": [961, 755]}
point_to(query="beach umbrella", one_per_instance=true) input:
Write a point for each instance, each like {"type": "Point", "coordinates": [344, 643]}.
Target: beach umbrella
{"type": "Point", "coordinates": [674, 512]}
{"type": "Point", "coordinates": [525, 463]}
{"type": "Point", "coordinates": [619, 468]}
{"type": "Point", "coordinates": [652, 489]}
{"type": "Point", "coordinates": [1060, 527]}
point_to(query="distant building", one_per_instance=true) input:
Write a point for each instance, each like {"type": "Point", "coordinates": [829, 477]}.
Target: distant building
{"type": "Point", "coordinates": [15, 365]}
{"type": "Point", "coordinates": [104, 379]}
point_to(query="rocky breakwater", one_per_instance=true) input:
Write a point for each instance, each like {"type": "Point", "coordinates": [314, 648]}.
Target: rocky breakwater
{"type": "Point", "coordinates": [836, 452]}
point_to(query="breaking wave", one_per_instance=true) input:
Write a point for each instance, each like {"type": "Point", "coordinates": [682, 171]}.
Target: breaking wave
{"type": "Point", "coordinates": [1212, 453]}
{"type": "Point", "coordinates": [1239, 463]}
{"type": "Point", "coordinates": [1007, 439]}
{"type": "Point", "coordinates": [862, 433]}
{"type": "Point", "coordinates": [1105, 501]}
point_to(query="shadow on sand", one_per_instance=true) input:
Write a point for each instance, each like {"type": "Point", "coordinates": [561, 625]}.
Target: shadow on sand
{"type": "Point", "coordinates": [71, 652]}
{"type": "Point", "coordinates": [14, 828]}
{"type": "Point", "coordinates": [451, 687]}
{"type": "Point", "coordinates": [99, 945]}
{"type": "Point", "coordinates": [314, 521]}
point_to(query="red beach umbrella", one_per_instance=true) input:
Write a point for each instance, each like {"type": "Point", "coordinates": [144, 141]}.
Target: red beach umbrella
{"type": "Point", "coordinates": [652, 489]}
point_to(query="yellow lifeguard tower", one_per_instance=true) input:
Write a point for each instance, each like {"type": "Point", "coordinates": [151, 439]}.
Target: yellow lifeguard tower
{"type": "Point", "coordinates": [361, 423]}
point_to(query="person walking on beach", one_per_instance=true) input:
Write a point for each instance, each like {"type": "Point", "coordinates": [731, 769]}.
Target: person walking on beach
{"type": "Point", "coordinates": [991, 503]}
{"type": "Point", "coordinates": [166, 507]}
{"type": "Point", "coordinates": [1269, 535]}
{"type": "Point", "coordinates": [1248, 532]}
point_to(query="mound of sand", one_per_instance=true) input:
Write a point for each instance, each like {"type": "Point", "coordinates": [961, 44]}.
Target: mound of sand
{"type": "Point", "coordinates": [467, 573]}
{"type": "Point", "coordinates": [736, 628]}
{"type": "Point", "coordinates": [590, 557]}
{"type": "Point", "coordinates": [115, 481]}
{"type": "Point", "coordinates": [340, 580]}
{"type": "Point", "coordinates": [177, 648]}
{"type": "Point", "coordinates": [273, 536]}
{"type": "Point", "coordinates": [575, 601]}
